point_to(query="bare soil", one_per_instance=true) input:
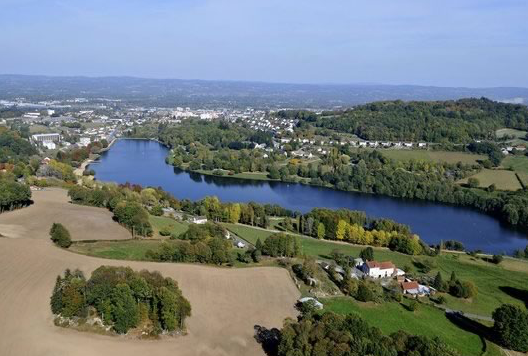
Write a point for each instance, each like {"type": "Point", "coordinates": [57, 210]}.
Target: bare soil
{"type": "Point", "coordinates": [226, 303]}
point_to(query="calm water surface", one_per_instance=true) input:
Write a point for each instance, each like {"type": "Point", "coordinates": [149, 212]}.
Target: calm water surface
{"type": "Point", "coordinates": [143, 162]}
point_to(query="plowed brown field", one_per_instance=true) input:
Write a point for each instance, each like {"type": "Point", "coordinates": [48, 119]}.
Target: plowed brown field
{"type": "Point", "coordinates": [226, 303]}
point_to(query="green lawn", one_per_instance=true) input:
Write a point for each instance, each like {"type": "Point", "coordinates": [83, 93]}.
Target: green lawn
{"type": "Point", "coordinates": [118, 250]}
{"type": "Point", "coordinates": [503, 179]}
{"type": "Point", "coordinates": [318, 248]}
{"type": "Point", "coordinates": [487, 277]}
{"type": "Point", "coordinates": [427, 320]}
{"type": "Point", "coordinates": [248, 233]}
{"type": "Point", "coordinates": [510, 132]}
{"type": "Point", "coordinates": [519, 163]}
{"type": "Point", "coordinates": [244, 175]}
{"type": "Point", "coordinates": [435, 156]}
{"type": "Point", "coordinates": [160, 222]}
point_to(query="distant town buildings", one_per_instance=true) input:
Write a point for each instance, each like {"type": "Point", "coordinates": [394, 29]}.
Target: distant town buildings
{"type": "Point", "coordinates": [49, 140]}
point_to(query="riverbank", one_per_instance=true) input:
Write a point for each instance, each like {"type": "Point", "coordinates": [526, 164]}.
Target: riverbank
{"type": "Point", "coordinates": [79, 171]}
{"type": "Point", "coordinates": [144, 163]}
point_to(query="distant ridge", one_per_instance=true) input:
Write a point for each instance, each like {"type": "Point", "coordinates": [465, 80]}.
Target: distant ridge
{"type": "Point", "coordinates": [210, 93]}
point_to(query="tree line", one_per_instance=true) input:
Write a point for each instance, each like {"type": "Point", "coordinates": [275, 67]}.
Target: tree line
{"type": "Point", "coordinates": [331, 334]}
{"type": "Point", "coordinates": [460, 121]}
{"type": "Point", "coordinates": [13, 195]}
{"type": "Point", "coordinates": [122, 298]}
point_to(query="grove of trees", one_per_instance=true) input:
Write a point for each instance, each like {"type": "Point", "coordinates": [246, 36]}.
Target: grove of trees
{"type": "Point", "coordinates": [122, 298]}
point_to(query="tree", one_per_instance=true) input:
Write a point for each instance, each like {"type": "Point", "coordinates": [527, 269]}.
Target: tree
{"type": "Point", "coordinates": [473, 182]}
{"type": "Point", "coordinates": [320, 231]}
{"type": "Point", "coordinates": [60, 235]}
{"type": "Point", "coordinates": [342, 228]}
{"type": "Point", "coordinates": [156, 210]}
{"type": "Point", "coordinates": [413, 305]}
{"type": "Point", "coordinates": [497, 259]}
{"type": "Point", "coordinates": [258, 244]}
{"type": "Point", "coordinates": [367, 254]}
{"type": "Point", "coordinates": [124, 308]}
{"type": "Point", "coordinates": [439, 283]}
{"type": "Point", "coordinates": [511, 327]}
{"type": "Point", "coordinates": [364, 292]}
{"type": "Point", "coordinates": [453, 278]}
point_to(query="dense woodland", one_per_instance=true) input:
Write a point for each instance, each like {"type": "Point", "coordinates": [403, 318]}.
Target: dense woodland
{"type": "Point", "coordinates": [122, 298]}
{"type": "Point", "coordinates": [15, 153]}
{"type": "Point", "coordinates": [335, 335]}
{"type": "Point", "coordinates": [460, 121]}
{"type": "Point", "coordinates": [13, 147]}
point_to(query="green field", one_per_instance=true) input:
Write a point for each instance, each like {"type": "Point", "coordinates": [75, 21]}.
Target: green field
{"type": "Point", "coordinates": [497, 284]}
{"type": "Point", "coordinates": [426, 320]}
{"type": "Point", "coordinates": [119, 250]}
{"type": "Point", "coordinates": [519, 164]}
{"type": "Point", "coordinates": [503, 179]}
{"type": "Point", "coordinates": [500, 133]}
{"type": "Point", "coordinates": [38, 129]}
{"type": "Point", "coordinates": [160, 222]}
{"type": "Point", "coordinates": [486, 276]}
{"type": "Point", "coordinates": [435, 156]}
{"type": "Point", "coordinates": [244, 175]}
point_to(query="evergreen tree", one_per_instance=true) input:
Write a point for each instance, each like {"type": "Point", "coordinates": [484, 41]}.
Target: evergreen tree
{"type": "Point", "coordinates": [367, 254]}
{"type": "Point", "coordinates": [439, 282]}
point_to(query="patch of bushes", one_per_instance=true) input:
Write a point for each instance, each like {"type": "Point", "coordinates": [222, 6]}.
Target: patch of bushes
{"type": "Point", "coordinates": [60, 235]}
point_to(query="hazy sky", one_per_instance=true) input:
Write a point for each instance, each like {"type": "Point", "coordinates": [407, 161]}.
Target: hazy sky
{"type": "Point", "coordinates": [440, 42]}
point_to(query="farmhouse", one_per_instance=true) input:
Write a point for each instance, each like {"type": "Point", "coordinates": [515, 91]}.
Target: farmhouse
{"type": "Point", "coordinates": [415, 289]}
{"type": "Point", "coordinates": [410, 287]}
{"type": "Point", "coordinates": [375, 269]}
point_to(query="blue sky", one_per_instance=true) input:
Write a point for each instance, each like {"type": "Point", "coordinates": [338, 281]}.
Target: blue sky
{"type": "Point", "coordinates": [476, 43]}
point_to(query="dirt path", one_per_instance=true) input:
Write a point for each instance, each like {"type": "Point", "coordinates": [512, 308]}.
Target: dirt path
{"type": "Point", "coordinates": [226, 303]}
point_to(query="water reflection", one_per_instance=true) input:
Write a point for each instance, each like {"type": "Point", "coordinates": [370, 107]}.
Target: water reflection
{"type": "Point", "coordinates": [143, 162]}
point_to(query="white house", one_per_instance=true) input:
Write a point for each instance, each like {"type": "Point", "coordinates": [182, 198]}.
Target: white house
{"type": "Point", "coordinates": [198, 219]}
{"type": "Point", "coordinates": [375, 269]}
{"type": "Point", "coordinates": [240, 244]}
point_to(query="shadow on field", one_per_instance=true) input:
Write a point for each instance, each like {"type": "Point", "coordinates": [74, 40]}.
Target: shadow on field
{"type": "Point", "coordinates": [472, 326]}
{"type": "Point", "coordinates": [516, 293]}
{"type": "Point", "coordinates": [268, 338]}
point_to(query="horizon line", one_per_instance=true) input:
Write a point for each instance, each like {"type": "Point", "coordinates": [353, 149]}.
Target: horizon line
{"type": "Point", "coordinates": [256, 81]}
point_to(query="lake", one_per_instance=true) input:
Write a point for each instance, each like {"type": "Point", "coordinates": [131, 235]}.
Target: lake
{"type": "Point", "coordinates": [143, 162]}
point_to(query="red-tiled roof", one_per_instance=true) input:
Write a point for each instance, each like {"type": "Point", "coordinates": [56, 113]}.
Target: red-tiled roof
{"type": "Point", "coordinates": [381, 265]}
{"type": "Point", "coordinates": [409, 285]}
